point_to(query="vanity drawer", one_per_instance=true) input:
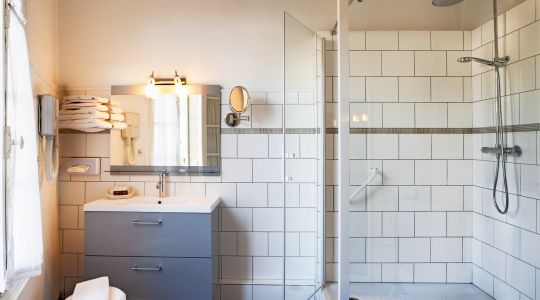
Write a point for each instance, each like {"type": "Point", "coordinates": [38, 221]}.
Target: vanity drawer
{"type": "Point", "coordinates": [148, 234]}
{"type": "Point", "coordinates": [157, 278]}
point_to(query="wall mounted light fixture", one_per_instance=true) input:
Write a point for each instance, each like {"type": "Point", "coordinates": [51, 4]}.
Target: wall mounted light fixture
{"type": "Point", "coordinates": [179, 83]}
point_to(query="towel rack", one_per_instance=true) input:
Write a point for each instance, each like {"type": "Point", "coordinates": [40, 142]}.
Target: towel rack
{"type": "Point", "coordinates": [373, 172]}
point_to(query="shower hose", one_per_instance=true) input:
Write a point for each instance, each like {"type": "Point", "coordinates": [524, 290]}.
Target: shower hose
{"type": "Point", "coordinates": [501, 155]}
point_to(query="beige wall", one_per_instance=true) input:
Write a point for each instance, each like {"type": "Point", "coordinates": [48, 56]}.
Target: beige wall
{"type": "Point", "coordinates": [42, 41]}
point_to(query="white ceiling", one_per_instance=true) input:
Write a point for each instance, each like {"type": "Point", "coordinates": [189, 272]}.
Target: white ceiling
{"type": "Point", "coordinates": [398, 14]}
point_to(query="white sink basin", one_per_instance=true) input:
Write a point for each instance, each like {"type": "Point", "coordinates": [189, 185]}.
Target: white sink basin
{"type": "Point", "coordinates": [156, 204]}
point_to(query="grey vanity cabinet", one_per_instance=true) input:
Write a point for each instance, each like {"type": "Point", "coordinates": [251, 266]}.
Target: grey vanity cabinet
{"type": "Point", "coordinates": [154, 256]}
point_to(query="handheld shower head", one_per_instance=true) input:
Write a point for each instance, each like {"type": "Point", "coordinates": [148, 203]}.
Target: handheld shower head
{"type": "Point", "coordinates": [443, 3]}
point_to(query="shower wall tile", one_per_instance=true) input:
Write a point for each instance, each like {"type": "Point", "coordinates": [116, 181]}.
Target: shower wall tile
{"type": "Point", "coordinates": [357, 40]}
{"type": "Point", "coordinates": [520, 16]}
{"type": "Point", "coordinates": [430, 63]}
{"type": "Point", "coordinates": [447, 89]}
{"type": "Point", "coordinates": [447, 40]}
{"type": "Point", "coordinates": [365, 63]}
{"type": "Point", "coordinates": [414, 89]}
{"type": "Point", "coordinates": [381, 40]}
{"type": "Point", "coordinates": [398, 63]}
{"type": "Point", "coordinates": [414, 40]}
{"type": "Point", "coordinates": [382, 89]}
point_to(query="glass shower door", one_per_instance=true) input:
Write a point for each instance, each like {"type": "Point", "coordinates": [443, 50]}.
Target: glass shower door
{"type": "Point", "coordinates": [303, 138]}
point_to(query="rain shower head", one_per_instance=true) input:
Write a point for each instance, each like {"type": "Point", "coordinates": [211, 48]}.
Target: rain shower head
{"type": "Point", "coordinates": [443, 3]}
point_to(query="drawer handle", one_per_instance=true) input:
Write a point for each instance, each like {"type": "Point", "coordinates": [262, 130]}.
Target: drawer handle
{"type": "Point", "coordinates": [156, 269]}
{"type": "Point", "coordinates": [147, 222]}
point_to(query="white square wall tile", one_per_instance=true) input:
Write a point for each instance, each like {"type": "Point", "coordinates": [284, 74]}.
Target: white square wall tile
{"type": "Point", "coordinates": [68, 216]}
{"type": "Point", "coordinates": [476, 37]}
{"type": "Point", "coordinates": [397, 272]}
{"type": "Point", "coordinates": [430, 63]}
{"type": "Point", "coordinates": [483, 280]}
{"type": "Point", "coordinates": [398, 63]}
{"type": "Point", "coordinates": [382, 198]}
{"type": "Point", "coordinates": [236, 292]}
{"type": "Point", "coordinates": [398, 172]}
{"type": "Point", "coordinates": [520, 275]}
{"type": "Point", "coordinates": [253, 145]}
{"type": "Point", "coordinates": [252, 243]}
{"type": "Point", "coordinates": [382, 146]}
{"type": "Point", "coordinates": [459, 272]}
{"type": "Point", "coordinates": [381, 40]}
{"type": "Point", "coordinates": [445, 198]}
{"type": "Point", "coordinates": [252, 195]}
{"type": "Point", "coordinates": [358, 145]}
{"type": "Point", "coordinates": [267, 268]}
{"type": "Point", "coordinates": [357, 40]}
{"type": "Point", "coordinates": [266, 116]}
{"type": "Point", "coordinates": [414, 249]}
{"type": "Point", "coordinates": [520, 15]}
{"type": "Point", "coordinates": [365, 272]}
{"type": "Point", "coordinates": [430, 172]}
{"type": "Point", "coordinates": [522, 213]}
{"type": "Point", "coordinates": [447, 89]}
{"type": "Point", "coordinates": [365, 224]}
{"type": "Point", "coordinates": [228, 243]}
{"type": "Point", "coordinates": [459, 223]}
{"type": "Point", "coordinates": [331, 63]}
{"type": "Point", "coordinates": [72, 145]}
{"type": "Point", "coordinates": [429, 272]}
{"type": "Point", "coordinates": [530, 247]}
{"type": "Point", "coordinates": [529, 107]}
{"type": "Point", "coordinates": [381, 250]}
{"type": "Point", "coordinates": [229, 145]}
{"type": "Point", "coordinates": [236, 267]}
{"type": "Point", "coordinates": [268, 219]}
{"type": "Point", "coordinates": [447, 40]}
{"type": "Point", "coordinates": [414, 146]}
{"type": "Point", "coordinates": [446, 250]}
{"type": "Point", "coordinates": [398, 224]}
{"type": "Point", "coordinates": [236, 170]}
{"type": "Point", "coordinates": [460, 172]}
{"type": "Point", "coordinates": [357, 89]}
{"type": "Point", "coordinates": [447, 146]}
{"type": "Point", "coordinates": [366, 115]}
{"type": "Point", "coordinates": [460, 115]}
{"type": "Point", "coordinates": [414, 40]}
{"type": "Point", "coordinates": [183, 189]}
{"type": "Point", "coordinates": [381, 89]}
{"type": "Point", "coordinates": [71, 193]}
{"type": "Point", "coordinates": [236, 219]}
{"type": "Point", "coordinates": [398, 115]}
{"type": "Point", "coordinates": [414, 89]}
{"type": "Point", "coordinates": [226, 191]}
{"type": "Point", "coordinates": [414, 198]}
{"type": "Point", "coordinates": [430, 224]}
{"type": "Point", "coordinates": [267, 170]}
{"type": "Point", "coordinates": [267, 292]}
{"type": "Point", "coordinates": [365, 63]}
{"type": "Point", "coordinates": [431, 115]}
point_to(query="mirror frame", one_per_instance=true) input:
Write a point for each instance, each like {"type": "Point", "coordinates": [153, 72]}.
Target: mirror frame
{"type": "Point", "coordinates": [139, 90]}
{"type": "Point", "coordinates": [248, 101]}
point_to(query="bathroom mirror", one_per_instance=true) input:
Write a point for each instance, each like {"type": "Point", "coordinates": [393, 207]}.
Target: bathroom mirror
{"type": "Point", "coordinates": [239, 102]}
{"type": "Point", "coordinates": [239, 99]}
{"type": "Point", "coordinates": [176, 129]}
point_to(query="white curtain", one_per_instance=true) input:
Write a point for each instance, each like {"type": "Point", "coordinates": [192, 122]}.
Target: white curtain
{"type": "Point", "coordinates": [166, 130]}
{"type": "Point", "coordinates": [23, 211]}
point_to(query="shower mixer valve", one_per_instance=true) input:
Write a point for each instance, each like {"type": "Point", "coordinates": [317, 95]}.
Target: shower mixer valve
{"type": "Point", "coordinates": [514, 151]}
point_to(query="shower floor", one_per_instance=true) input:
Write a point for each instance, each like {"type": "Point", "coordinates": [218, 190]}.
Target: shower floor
{"type": "Point", "coordinates": [416, 291]}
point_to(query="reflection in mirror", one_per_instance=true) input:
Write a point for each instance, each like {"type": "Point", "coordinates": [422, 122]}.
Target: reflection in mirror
{"type": "Point", "coordinates": [239, 99]}
{"type": "Point", "coordinates": [177, 132]}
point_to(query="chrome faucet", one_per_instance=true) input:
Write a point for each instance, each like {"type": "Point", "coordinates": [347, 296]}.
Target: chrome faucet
{"type": "Point", "coordinates": [161, 184]}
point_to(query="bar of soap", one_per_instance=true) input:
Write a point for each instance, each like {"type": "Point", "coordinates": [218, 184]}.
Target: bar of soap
{"type": "Point", "coordinates": [120, 190]}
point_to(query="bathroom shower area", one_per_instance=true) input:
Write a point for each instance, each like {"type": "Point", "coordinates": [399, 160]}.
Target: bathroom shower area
{"type": "Point", "coordinates": [431, 114]}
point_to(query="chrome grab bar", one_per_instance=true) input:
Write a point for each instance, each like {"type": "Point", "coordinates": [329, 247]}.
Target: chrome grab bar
{"type": "Point", "coordinates": [515, 151]}
{"type": "Point", "coordinates": [136, 222]}
{"type": "Point", "coordinates": [155, 269]}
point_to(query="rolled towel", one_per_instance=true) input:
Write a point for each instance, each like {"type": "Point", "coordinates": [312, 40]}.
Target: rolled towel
{"type": "Point", "coordinates": [85, 124]}
{"type": "Point", "coordinates": [97, 115]}
{"type": "Point", "coordinates": [84, 98]}
{"type": "Point", "coordinates": [93, 105]}
{"type": "Point", "coordinates": [116, 110]}
{"type": "Point", "coordinates": [117, 117]}
{"type": "Point", "coordinates": [114, 103]}
{"type": "Point", "coordinates": [119, 125]}
{"type": "Point", "coordinates": [95, 289]}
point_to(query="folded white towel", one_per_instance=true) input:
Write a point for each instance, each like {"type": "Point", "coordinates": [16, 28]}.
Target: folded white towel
{"type": "Point", "coordinates": [97, 115]}
{"type": "Point", "coordinates": [117, 117]}
{"type": "Point", "coordinates": [85, 98]}
{"type": "Point", "coordinates": [96, 124]}
{"type": "Point", "coordinates": [114, 103]}
{"type": "Point", "coordinates": [95, 289]}
{"type": "Point", "coordinates": [93, 105]}
{"type": "Point", "coordinates": [116, 110]}
{"type": "Point", "coordinates": [119, 125]}
{"type": "Point", "coordinates": [83, 110]}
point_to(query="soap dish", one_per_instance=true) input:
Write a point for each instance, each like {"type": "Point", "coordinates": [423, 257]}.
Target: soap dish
{"type": "Point", "coordinates": [110, 195]}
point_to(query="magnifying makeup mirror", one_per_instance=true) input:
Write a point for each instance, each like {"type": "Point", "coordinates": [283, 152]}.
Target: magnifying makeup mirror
{"type": "Point", "coordinates": [239, 101]}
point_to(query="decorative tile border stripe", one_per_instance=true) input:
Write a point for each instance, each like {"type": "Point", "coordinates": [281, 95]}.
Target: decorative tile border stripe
{"type": "Point", "coordinates": [509, 128]}
{"type": "Point", "coordinates": [269, 130]}
{"type": "Point", "coordinates": [403, 131]}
